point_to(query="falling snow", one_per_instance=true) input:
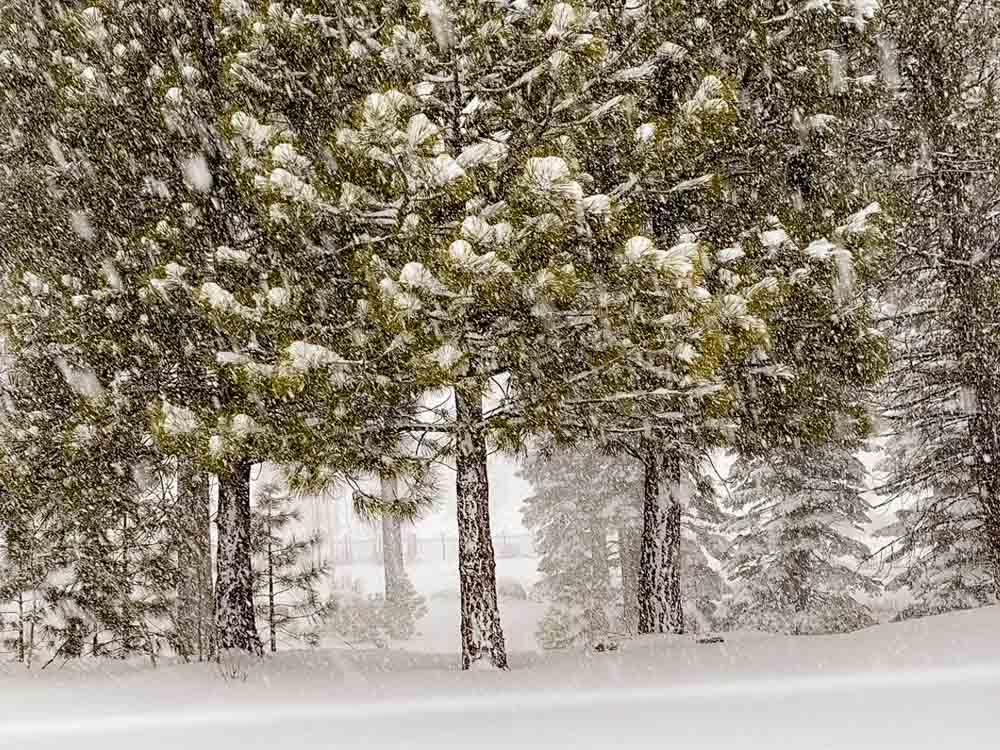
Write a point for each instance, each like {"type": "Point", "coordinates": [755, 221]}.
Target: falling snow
{"type": "Point", "coordinates": [353, 352]}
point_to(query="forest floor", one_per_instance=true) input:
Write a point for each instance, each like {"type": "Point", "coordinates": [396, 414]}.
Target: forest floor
{"type": "Point", "coordinates": [916, 684]}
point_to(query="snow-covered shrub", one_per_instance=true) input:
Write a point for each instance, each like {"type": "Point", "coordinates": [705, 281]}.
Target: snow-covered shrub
{"type": "Point", "coordinates": [510, 588]}
{"type": "Point", "coordinates": [371, 619]}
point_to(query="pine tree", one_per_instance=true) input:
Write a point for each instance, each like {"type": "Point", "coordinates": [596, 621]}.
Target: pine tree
{"type": "Point", "coordinates": [585, 514]}
{"type": "Point", "coordinates": [779, 232]}
{"type": "Point", "coordinates": [940, 306]}
{"type": "Point", "coordinates": [464, 176]}
{"type": "Point", "coordinates": [85, 507]}
{"type": "Point", "coordinates": [392, 615]}
{"type": "Point", "coordinates": [577, 499]}
{"type": "Point", "coordinates": [161, 238]}
{"type": "Point", "coordinates": [25, 566]}
{"type": "Point", "coordinates": [288, 598]}
{"type": "Point", "coordinates": [574, 204]}
{"type": "Point", "coordinates": [794, 562]}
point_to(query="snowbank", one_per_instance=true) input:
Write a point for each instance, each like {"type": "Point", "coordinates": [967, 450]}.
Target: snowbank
{"type": "Point", "coordinates": [911, 683]}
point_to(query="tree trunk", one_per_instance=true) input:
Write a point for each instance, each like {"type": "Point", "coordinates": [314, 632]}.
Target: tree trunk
{"type": "Point", "coordinates": [20, 626]}
{"type": "Point", "coordinates": [270, 586]}
{"type": "Point", "coordinates": [392, 546]}
{"type": "Point", "coordinates": [195, 616]}
{"type": "Point", "coordinates": [976, 314]}
{"type": "Point", "coordinates": [234, 610]}
{"type": "Point", "coordinates": [31, 629]}
{"type": "Point", "coordinates": [629, 550]}
{"type": "Point", "coordinates": [660, 608]}
{"type": "Point", "coordinates": [986, 472]}
{"type": "Point", "coordinates": [482, 635]}
{"type": "Point", "coordinates": [124, 621]}
{"type": "Point", "coordinates": [798, 586]}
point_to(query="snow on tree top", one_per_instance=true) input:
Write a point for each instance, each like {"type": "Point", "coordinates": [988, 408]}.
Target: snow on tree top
{"type": "Point", "coordinates": [490, 152]}
{"type": "Point", "coordinates": [857, 223]}
{"type": "Point", "coordinates": [729, 254]}
{"type": "Point", "coordinates": [226, 254]}
{"type": "Point", "coordinates": [224, 300]}
{"type": "Point", "coordinates": [286, 155]}
{"type": "Point", "coordinates": [420, 130]}
{"type": "Point", "coordinates": [178, 420]}
{"type": "Point", "coordinates": [677, 261]}
{"type": "Point", "coordinates": [645, 132]}
{"type": "Point", "coordinates": [444, 170]}
{"type": "Point", "coordinates": [416, 276]}
{"type": "Point", "coordinates": [563, 19]}
{"type": "Point", "coordinates": [197, 174]}
{"type": "Point", "coordinates": [251, 130]}
{"type": "Point", "coordinates": [306, 356]}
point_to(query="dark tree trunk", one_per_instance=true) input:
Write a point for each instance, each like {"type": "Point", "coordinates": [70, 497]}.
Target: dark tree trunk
{"type": "Point", "coordinates": [195, 597]}
{"type": "Point", "coordinates": [482, 635]}
{"type": "Point", "coordinates": [629, 550]}
{"type": "Point", "coordinates": [272, 629]}
{"type": "Point", "coordinates": [20, 626]}
{"type": "Point", "coordinates": [980, 374]}
{"type": "Point", "coordinates": [986, 472]}
{"type": "Point", "coordinates": [798, 580]}
{"type": "Point", "coordinates": [236, 629]}
{"type": "Point", "coordinates": [396, 588]}
{"type": "Point", "coordinates": [660, 608]}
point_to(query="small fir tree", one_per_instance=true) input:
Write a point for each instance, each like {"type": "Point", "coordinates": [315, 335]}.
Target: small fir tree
{"type": "Point", "coordinates": [794, 561]}
{"type": "Point", "coordinates": [288, 599]}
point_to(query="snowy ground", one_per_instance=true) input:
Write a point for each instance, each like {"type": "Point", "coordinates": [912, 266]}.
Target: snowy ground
{"type": "Point", "coordinates": [916, 684]}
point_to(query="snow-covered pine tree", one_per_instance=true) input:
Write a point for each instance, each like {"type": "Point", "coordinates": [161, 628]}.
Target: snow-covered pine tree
{"type": "Point", "coordinates": [454, 156]}
{"type": "Point", "coordinates": [25, 566]}
{"type": "Point", "coordinates": [474, 201]}
{"type": "Point", "coordinates": [85, 505]}
{"type": "Point", "coordinates": [135, 226]}
{"type": "Point", "coordinates": [794, 563]}
{"type": "Point", "coordinates": [288, 585]}
{"type": "Point", "coordinates": [943, 399]}
{"type": "Point", "coordinates": [581, 501]}
{"type": "Point", "coordinates": [403, 605]}
{"type": "Point", "coordinates": [111, 115]}
{"type": "Point", "coordinates": [586, 515]}
{"type": "Point", "coordinates": [778, 232]}
{"type": "Point", "coordinates": [393, 614]}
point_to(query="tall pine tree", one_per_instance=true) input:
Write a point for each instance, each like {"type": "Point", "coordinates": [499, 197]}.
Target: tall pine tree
{"type": "Point", "coordinates": [943, 398]}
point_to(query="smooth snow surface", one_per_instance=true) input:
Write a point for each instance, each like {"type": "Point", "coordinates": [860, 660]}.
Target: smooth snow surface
{"type": "Point", "coordinates": [917, 685]}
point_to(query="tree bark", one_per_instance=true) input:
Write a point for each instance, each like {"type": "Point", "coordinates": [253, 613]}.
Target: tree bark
{"type": "Point", "coordinates": [660, 608]}
{"type": "Point", "coordinates": [798, 584]}
{"type": "Point", "coordinates": [986, 473]}
{"type": "Point", "coordinates": [980, 375]}
{"type": "Point", "coordinates": [236, 629]}
{"type": "Point", "coordinates": [482, 635]}
{"type": "Point", "coordinates": [195, 597]}
{"type": "Point", "coordinates": [20, 626]}
{"type": "Point", "coordinates": [629, 550]}
{"type": "Point", "coordinates": [272, 630]}
{"type": "Point", "coordinates": [392, 547]}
